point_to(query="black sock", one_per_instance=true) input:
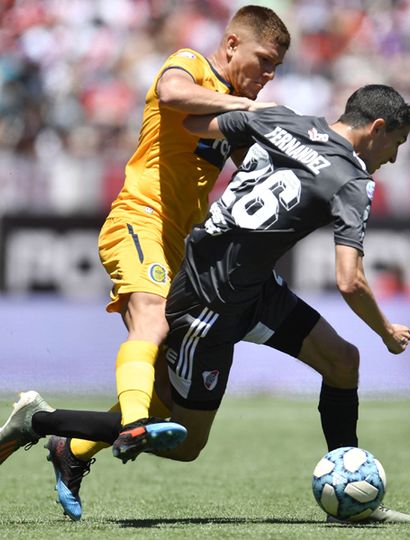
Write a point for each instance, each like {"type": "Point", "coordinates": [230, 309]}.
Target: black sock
{"type": "Point", "coordinates": [339, 412]}
{"type": "Point", "coordinates": [89, 425]}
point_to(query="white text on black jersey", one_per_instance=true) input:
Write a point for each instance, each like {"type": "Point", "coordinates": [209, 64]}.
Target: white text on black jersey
{"type": "Point", "coordinates": [294, 148]}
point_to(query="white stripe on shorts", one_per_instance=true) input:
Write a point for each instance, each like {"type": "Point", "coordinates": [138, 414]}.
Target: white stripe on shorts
{"type": "Point", "coordinates": [198, 329]}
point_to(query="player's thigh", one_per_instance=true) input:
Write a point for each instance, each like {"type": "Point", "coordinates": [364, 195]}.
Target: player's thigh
{"type": "Point", "coordinates": [307, 336]}
{"type": "Point", "coordinates": [136, 260]}
{"type": "Point", "coordinates": [329, 354]}
{"type": "Point", "coordinates": [144, 316]}
{"type": "Point", "coordinates": [199, 362]}
{"type": "Point", "coordinates": [288, 324]}
{"type": "Point", "coordinates": [198, 424]}
{"type": "Point", "coordinates": [162, 385]}
{"type": "Point", "coordinates": [199, 348]}
{"type": "Point", "coordinates": [282, 319]}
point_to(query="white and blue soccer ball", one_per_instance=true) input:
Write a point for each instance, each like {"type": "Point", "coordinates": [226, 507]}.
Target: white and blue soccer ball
{"type": "Point", "coordinates": [349, 483]}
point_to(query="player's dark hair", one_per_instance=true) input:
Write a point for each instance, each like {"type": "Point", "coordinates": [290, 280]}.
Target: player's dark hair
{"type": "Point", "coordinates": [376, 101]}
{"type": "Point", "coordinates": [263, 22]}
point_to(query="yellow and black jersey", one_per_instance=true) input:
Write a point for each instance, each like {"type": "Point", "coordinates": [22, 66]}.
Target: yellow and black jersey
{"type": "Point", "coordinates": [169, 177]}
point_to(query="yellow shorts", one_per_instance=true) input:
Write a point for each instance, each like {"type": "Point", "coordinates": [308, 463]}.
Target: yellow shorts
{"type": "Point", "coordinates": [136, 259]}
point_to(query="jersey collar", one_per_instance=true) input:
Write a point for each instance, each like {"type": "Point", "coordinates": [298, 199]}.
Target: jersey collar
{"type": "Point", "coordinates": [224, 81]}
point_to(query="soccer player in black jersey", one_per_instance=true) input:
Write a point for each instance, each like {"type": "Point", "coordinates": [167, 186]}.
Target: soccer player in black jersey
{"type": "Point", "coordinates": [299, 174]}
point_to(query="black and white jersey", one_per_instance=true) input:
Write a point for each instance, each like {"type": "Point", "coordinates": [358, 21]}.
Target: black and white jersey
{"type": "Point", "coordinates": [298, 175]}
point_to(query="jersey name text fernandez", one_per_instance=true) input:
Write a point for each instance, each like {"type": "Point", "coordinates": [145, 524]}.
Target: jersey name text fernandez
{"type": "Point", "coordinates": [295, 149]}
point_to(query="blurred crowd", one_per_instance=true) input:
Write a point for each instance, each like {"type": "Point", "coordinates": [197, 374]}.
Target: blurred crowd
{"type": "Point", "coordinates": [74, 73]}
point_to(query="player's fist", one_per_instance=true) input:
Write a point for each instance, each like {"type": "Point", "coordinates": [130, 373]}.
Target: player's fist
{"type": "Point", "coordinates": [398, 340]}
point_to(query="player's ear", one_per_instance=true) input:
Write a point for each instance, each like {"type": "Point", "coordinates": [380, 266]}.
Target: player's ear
{"type": "Point", "coordinates": [232, 41]}
{"type": "Point", "coordinates": [377, 125]}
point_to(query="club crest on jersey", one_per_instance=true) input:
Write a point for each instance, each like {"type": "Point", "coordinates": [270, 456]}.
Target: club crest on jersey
{"type": "Point", "coordinates": [157, 273]}
{"type": "Point", "coordinates": [210, 379]}
{"type": "Point", "coordinates": [370, 189]}
{"type": "Point", "coordinates": [314, 135]}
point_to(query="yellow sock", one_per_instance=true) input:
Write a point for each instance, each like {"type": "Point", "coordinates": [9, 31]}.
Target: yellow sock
{"type": "Point", "coordinates": [85, 450]}
{"type": "Point", "coordinates": [158, 408]}
{"type": "Point", "coordinates": [135, 375]}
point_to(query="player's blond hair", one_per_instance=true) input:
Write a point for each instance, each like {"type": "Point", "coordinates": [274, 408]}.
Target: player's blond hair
{"type": "Point", "coordinates": [263, 22]}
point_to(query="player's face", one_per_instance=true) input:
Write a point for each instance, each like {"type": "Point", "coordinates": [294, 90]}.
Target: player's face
{"type": "Point", "coordinates": [383, 147]}
{"type": "Point", "coordinates": [252, 64]}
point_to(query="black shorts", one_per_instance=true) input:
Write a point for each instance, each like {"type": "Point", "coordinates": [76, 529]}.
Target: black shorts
{"type": "Point", "coordinates": [200, 343]}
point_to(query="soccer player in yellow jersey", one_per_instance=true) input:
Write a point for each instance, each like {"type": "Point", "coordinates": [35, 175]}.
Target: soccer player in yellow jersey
{"type": "Point", "coordinates": [166, 189]}
{"type": "Point", "coordinates": [141, 244]}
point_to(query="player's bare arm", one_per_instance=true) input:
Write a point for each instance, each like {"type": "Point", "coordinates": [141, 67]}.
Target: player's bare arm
{"type": "Point", "coordinates": [204, 126]}
{"type": "Point", "coordinates": [355, 289]}
{"type": "Point", "coordinates": [177, 90]}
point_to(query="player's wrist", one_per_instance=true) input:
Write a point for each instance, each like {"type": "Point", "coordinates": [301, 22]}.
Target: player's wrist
{"type": "Point", "coordinates": [240, 103]}
{"type": "Point", "coordinates": [388, 333]}
{"type": "Point", "coordinates": [388, 338]}
{"type": "Point", "coordinates": [250, 104]}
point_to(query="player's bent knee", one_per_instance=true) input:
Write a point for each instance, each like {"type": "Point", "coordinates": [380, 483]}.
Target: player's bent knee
{"type": "Point", "coordinates": [353, 356]}
{"type": "Point", "coordinates": [352, 359]}
{"type": "Point", "coordinates": [198, 424]}
{"type": "Point", "coordinates": [347, 367]}
{"type": "Point", "coordinates": [189, 456]}
{"type": "Point", "coordinates": [185, 452]}
{"type": "Point", "coordinates": [193, 446]}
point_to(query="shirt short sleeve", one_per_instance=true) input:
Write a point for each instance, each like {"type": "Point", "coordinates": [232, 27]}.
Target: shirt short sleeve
{"type": "Point", "coordinates": [187, 60]}
{"type": "Point", "coordinates": [350, 208]}
{"type": "Point", "coordinates": [235, 126]}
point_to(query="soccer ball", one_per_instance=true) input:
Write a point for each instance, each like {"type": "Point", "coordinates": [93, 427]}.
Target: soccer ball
{"type": "Point", "coordinates": [349, 483]}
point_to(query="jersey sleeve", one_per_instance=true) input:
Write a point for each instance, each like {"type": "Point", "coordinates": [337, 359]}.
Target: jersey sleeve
{"type": "Point", "coordinates": [235, 126]}
{"type": "Point", "coordinates": [350, 208]}
{"type": "Point", "coordinates": [187, 60]}
{"type": "Point", "coordinates": [244, 128]}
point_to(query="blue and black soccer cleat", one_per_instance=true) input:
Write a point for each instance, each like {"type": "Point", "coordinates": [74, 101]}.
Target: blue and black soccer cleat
{"type": "Point", "coordinates": [69, 472]}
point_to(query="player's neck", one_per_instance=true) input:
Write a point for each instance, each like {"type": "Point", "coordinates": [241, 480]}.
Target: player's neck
{"type": "Point", "coordinates": [217, 62]}
{"type": "Point", "coordinates": [360, 137]}
{"type": "Point", "coordinates": [347, 132]}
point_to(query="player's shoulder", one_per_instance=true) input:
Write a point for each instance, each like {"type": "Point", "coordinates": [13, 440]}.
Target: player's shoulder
{"type": "Point", "coordinates": [355, 168]}
{"type": "Point", "coordinates": [281, 115]}
{"type": "Point", "coordinates": [188, 60]}
{"type": "Point", "coordinates": [276, 109]}
{"type": "Point", "coordinates": [187, 52]}
{"type": "Point", "coordinates": [188, 55]}
{"type": "Point", "coordinates": [283, 118]}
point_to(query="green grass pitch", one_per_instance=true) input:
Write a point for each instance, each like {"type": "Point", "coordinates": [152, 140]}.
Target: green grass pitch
{"type": "Point", "coordinates": [251, 482]}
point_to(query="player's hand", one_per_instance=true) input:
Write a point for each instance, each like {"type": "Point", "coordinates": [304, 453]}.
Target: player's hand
{"type": "Point", "coordinates": [258, 105]}
{"type": "Point", "coordinates": [398, 340]}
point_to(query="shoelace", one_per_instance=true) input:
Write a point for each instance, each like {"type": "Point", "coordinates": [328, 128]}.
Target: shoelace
{"type": "Point", "coordinates": [85, 469]}
{"type": "Point", "coordinates": [29, 445]}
